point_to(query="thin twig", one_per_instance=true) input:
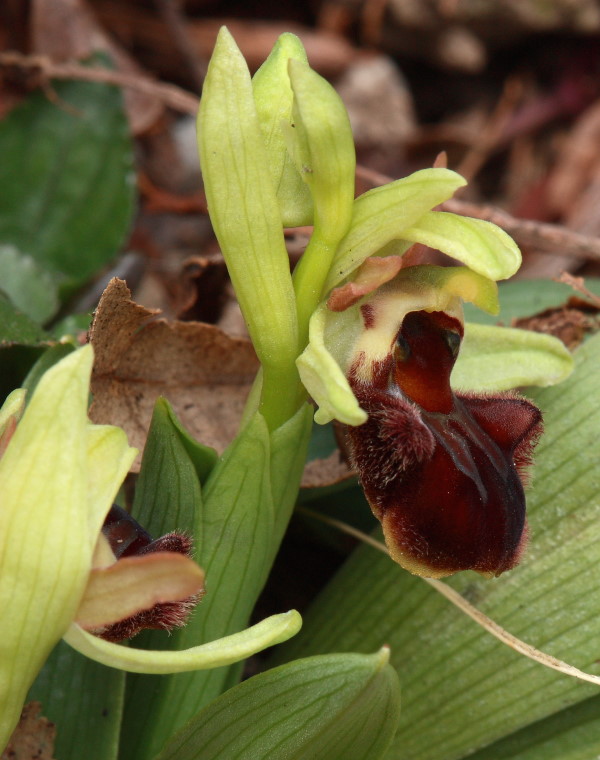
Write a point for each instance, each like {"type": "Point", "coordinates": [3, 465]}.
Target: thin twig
{"type": "Point", "coordinates": [175, 20]}
{"type": "Point", "coordinates": [170, 94]}
{"type": "Point", "coordinates": [459, 601]}
{"type": "Point", "coordinates": [540, 235]}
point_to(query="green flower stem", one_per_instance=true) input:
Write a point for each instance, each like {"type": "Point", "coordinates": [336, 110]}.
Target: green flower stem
{"type": "Point", "coordinates": [309, 281]}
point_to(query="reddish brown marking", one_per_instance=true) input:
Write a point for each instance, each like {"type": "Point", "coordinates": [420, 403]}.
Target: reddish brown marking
{"type": "Point", "coordinates": [368, 315]}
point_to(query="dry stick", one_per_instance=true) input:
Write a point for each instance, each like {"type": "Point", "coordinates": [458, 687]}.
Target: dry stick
{"type": "Point", "coordinates": [549, 237]}
{"type": "Point", "coordinates": [170, 94]}
{"type": "Point", "coordinates": [174, 18]}
{"type": "Point", "coordinates": [453, 596]}
{"type": "Point", "coordinates": [542, 236]}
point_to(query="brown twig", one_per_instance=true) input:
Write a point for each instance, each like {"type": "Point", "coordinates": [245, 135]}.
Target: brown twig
{"type": "Point", "coordinates": [175, 20]}
{"type": "Point", "coordinates": [169, 94]}
{"type": "Point", "coordinates": [527, 232]}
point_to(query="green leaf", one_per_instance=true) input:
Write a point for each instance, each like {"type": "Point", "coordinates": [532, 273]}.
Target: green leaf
{"type": "Point", "coordinates": [32, 289]}
{"type": "Point", "coordinates": [382, 214]}
{"type": "Point", "coordinates": [523, 298]}
{"type": "Point", "coordinates": [66, 178]}
{"type": "Point", "coordinates": [335, 707]}
{"type": "Point", "coordinates": [247, 501]}
{"type": "Point", "coordinates": [462, 689]}
{"type": "Point", "coordinates": [167, 494]}
{"type": "Point", "coordinates": [84, 700]}
{"type": "Point", "coordinates": [570, 734]}
{"type": "Point", "coordinates": [480, 245]}
{"type": "Point", "coordinates": [274, 99]}
{"type": "Point", "coordinates": [500, 358]}
{"type": "Point", "coordinates": [18, 328]}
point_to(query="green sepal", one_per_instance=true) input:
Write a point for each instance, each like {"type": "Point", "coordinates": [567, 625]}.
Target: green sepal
{"type": "Point", "coordinates": [332, 707]}
{"type": "Point", "coordinates": [245, 216]}
{"type": "Point", "coordinates": [58, 477]}
{"type": "Point", "coordinates": [322, 146]}
{"type": "Point", "coordinates": [500, 358]}
{"type": "Point", "coordinates": [274, 100]}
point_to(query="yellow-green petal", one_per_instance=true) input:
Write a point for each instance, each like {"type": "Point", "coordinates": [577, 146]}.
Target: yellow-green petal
{"type": "Point", "coordinates": [214, 654]}
{"type": "Point", "coordinates": [478, 244]}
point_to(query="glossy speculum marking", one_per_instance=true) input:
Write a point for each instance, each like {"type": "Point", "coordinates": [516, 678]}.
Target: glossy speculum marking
{"type": "Point", "coordinates": [442, 471]}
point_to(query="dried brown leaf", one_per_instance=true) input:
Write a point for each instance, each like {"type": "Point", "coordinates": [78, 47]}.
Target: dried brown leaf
{"type": "Point", "coordinates": [203, 372]}
{"type": "Point", "coordinates": [33, 738]}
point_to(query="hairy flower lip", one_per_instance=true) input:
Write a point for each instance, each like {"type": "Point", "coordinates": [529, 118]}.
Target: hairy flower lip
{"type": "Point", "coordinates": [442, 471]}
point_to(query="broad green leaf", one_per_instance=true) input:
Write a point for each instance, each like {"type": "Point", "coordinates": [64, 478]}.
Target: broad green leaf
{"type": "Point", "coordinates": [247, 500]}
{"type": "Point", "coordinates": [66, 178]}
{"type": "Point", "coordinates": [18, 328]}
{"type": "Point", "coordinates": [382, 214]}
{"type": "Point", "coordinates": [570, 734]}
{"type": "Point", "coordinates": [274, 99]}
{"type": "Point", "coordinates": [334, 707]}
{"type": "Point", "coordinates": [500, 358]}
{"type": "Point", "coordinates": [84, 700]}
{"type": "Point", "coordinates": [31, 288]}
{"type": "Point", "coordinates": [167, 494]}
{"type": "Point", "coordinates": [463, 689]}
{"type": "Point", "coordinates": [480, 245]}
{"type": "Point", "coordinates": [245, 216]}
{"type": "Point", "coordinates": [523, 298]}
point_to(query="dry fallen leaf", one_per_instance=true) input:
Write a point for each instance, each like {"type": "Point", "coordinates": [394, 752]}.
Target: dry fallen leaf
{"type": "Point", "coordinates": [33, 738]}
{"type": "Point", "coordinates": [204, 373]}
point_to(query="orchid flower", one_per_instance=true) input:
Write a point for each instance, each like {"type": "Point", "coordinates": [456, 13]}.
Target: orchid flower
{"type": "Point", "coordinates": [58, 574]}
{"type": "Point", "coordinates": [442, 471]}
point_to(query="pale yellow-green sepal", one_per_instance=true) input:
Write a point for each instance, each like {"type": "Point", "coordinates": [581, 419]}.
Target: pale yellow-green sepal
{"type": "Point", "coordinates": [500, 358]}
{"type": "Point", "coordinates": [45, 543]}
{"type": "Point", "coordinates": [274, 101]}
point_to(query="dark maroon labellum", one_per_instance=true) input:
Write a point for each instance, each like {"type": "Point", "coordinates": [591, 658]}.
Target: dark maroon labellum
{"type": "Point", "coordinates": [442, 471]}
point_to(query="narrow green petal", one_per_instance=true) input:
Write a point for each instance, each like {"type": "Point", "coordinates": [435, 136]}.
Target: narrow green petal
{"type": "Point", "coordinates": [382, 215]}
{"type": "Point", "coordinates": [45, 548]}
{"type": "Point", "coordinates": [225, 651]}
{"type": "Point", "coordinates": [481, 245]}
{"type": "Point", "coordinates": [500, 358]}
